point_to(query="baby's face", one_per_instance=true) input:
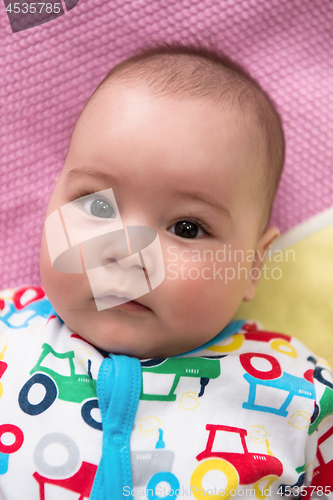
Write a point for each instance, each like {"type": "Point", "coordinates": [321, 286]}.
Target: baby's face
{"type": "Point", "coordinates": [184, 168]}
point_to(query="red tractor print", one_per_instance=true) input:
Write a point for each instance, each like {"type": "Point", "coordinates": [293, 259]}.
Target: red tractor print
{"type": "Point", "coordinates": [74, 475]}
{"type": "Point", "coordinates": [322, 480]}
{"type": "Point", "coordinates": [80, 483]}
{"type": "Point", "coordinates": [239, 468]}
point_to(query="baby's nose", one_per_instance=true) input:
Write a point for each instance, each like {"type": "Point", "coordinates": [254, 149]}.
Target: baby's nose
{"type": "Point", "coordinates": [105, 249]}
{"type": "Point", "coordinates": [116, 248]}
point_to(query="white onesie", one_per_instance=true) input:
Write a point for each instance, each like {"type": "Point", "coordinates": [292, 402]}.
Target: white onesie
{"type": "Point", "coordinates": [247, 414]}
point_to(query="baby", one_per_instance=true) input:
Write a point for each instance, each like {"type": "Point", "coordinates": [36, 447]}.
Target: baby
{"type": "Point", "coordinates": [114, 390]}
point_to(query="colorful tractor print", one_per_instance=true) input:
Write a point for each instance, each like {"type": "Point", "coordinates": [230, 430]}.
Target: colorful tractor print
{"type": "Point", "coordinates": [322, 479]}
{"type": "Point", "coordinates": [28, 303]}
{"type": "Point", "coordinates": [74, 388]}
{"type": "Point", "coordinates": [73, 475]}
{"type": "Point", "coordinates": [274, 379]}
{"type": "Point", "coordinates": [153, 467]}
{"type": "Point", "coordinates": [239, 468]}
{"type": "Point", "coordinates": [6, 450]}
{"type": "Point", "coordinates": [323, 409]}
{"type": "Point", "coordinates": [204, 368]}
{"type": "Point", "coordinates": [73, 483]}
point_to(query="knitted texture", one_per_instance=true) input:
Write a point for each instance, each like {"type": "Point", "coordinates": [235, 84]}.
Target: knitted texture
{"type": "Point", "coordinates": [48, 72]}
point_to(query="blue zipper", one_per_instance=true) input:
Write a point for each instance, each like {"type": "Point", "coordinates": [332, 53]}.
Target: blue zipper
{"type": "Point", "coordinates": [118, 390]}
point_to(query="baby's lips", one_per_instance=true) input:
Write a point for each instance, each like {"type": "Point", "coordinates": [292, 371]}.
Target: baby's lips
{"type": "Point", "coordinates": [120, 295]}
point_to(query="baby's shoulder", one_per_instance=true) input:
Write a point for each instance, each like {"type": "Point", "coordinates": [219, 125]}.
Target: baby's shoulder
{"type": "Point", "coordinates": [24, 307]}
{"type": "Point", "coordinates": [29, 322]}
{"type": "Point", "coordinates": [266, 353]}
{"type": "Point", "coordinates": [278, 342]}
{"type": "Point", "coordinates": [251, 334]}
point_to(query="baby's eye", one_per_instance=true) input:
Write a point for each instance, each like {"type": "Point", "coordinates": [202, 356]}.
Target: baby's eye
{"type": "Point", "coordinates": [99, 207]}
{"type": "Point", "coordinates": [188, 229]}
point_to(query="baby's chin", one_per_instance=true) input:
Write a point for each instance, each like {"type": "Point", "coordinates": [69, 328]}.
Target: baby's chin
{"type": "Point", "coordinates": [120, 333]}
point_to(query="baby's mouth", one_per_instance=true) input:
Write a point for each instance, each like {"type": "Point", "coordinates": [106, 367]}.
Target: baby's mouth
{"type": "Point", "coordinates": [113, 296]}
{"type": "Point", "coordinates": [126, 303]}
{"type": "Point", "coordinates": [134, 306]}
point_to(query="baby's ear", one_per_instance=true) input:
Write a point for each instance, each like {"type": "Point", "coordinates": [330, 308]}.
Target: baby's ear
{"type": "Point", "coordinates": [263, 245]}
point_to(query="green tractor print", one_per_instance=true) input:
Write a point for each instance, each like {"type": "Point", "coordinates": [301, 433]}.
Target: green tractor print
{"type": "Point", "coordinates": [73, 388]}
{"type": "Point", "coordinates": [172, 369]}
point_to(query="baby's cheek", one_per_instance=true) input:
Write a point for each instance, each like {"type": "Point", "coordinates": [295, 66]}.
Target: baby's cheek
{"type": "Point", "coordinates": [66, 291]}
{"type": "Point", "coordinates": [204, 289]}
{"type": "Point", "coordinates": [193, 290]}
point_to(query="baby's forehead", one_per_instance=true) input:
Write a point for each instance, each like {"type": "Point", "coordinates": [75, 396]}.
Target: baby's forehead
{"type": "Point", "coordinates": [116, 106]}
{"type": "Point", "coordinates": [108, 101]}
{"type": "Point", "coordinates": [158, 125]}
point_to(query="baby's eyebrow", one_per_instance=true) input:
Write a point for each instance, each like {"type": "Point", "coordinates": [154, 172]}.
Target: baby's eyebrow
{"type": "Point", "coordinates": [218, 207]}
{"type": "Point", "coordinates": [91, 173]}
{"type": "Point", "coordinates": [194, 195]}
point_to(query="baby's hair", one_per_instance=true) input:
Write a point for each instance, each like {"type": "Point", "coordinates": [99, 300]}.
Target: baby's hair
{"type": "Point", "coordinates": [182, 70]}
